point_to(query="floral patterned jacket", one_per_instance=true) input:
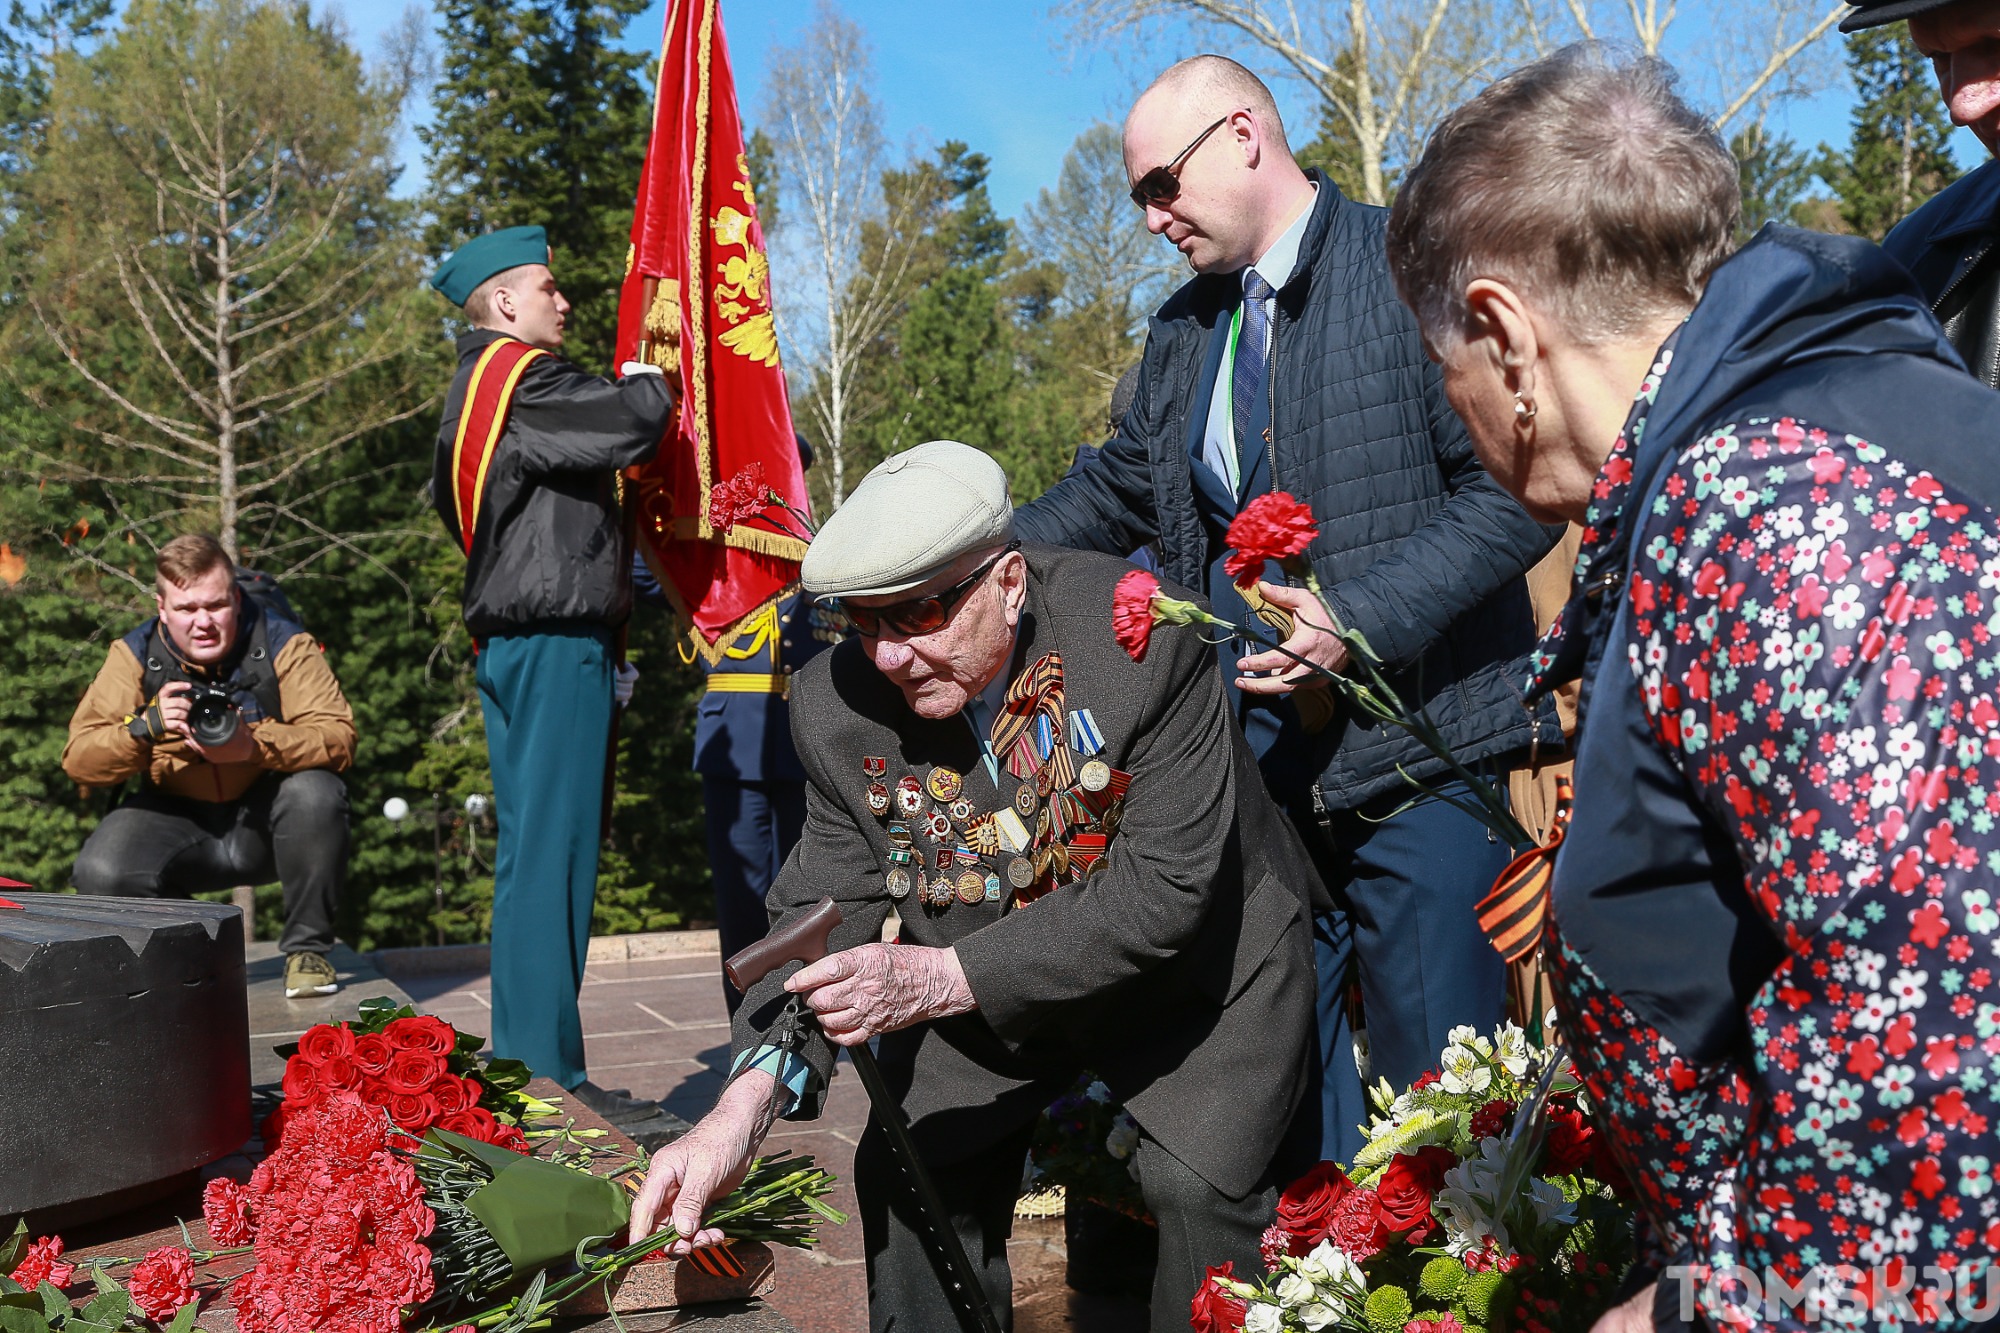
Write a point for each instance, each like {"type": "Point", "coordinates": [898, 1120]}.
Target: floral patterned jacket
{"type": "Point", "coordinates": [1775, 927]}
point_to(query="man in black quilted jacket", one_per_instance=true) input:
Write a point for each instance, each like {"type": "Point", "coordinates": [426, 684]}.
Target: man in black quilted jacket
{"type": "Point", "coordinates": [1288, 364]}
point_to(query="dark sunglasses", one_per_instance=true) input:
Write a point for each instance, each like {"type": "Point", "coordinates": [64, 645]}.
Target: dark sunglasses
{"type": "Point", "coordinates": [1162, 185]}
{"type": "Point", "coordinates": [921, 615]}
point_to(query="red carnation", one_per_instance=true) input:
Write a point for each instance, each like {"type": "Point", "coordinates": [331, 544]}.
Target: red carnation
{"type": "Point", "coordinates": [1570, 1143]}
{"type": "Point", "coordinates": [1492, 1118]}
{"type": "Point", "coordinates": [1213, 1309]}
{"type": "Point", "coordinates": [43, 1263]}
{"type": "Point", "coordinates": [1357, 1227]}
{"type": "Point", "coordinates": [1132, 612]}
{"type": "Point", "coordinates": [1305, 1209]}
{"type": "Point", "coordinates": [740, 497]}
{"type": "Point", "coordinates": [1425, 1079]}
{"type": "Point", "coordinates": [422, 1033]}
{"type": "Point", "coordinates": [1408, 1185]}
{"type": "Point", "coordinates": [226, 1211]}
{"type": "Point", "coordinates": [162, 1283]}
{"type": "Point", "coordinates": [1271, 527]}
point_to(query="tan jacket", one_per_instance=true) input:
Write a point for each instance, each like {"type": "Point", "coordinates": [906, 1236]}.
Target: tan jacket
{"type": "Point", "coordinates": [318, 730]}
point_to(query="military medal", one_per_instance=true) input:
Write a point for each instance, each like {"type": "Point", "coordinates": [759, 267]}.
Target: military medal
{"type": "Point", "coordinates": [945, 784]}
{"type": "Point", "coordinates": [994, 891]}
{"type": "Point", "coordinates": [939, 894]}
{"type": "Point", "coordinates": [1085, 849]}
{"type": "Point", "coordinates": [1013, 833]}
{"type": "Point", "coordinates": [900, 856]}
{"type": "Point", "coordinates": [898, 880]}
{"type": "Point", "coordinates": [1084, 737]}
{"type": "Point", "coordinates": [878, 799]}
{"type": "Point", "coordinates": [1112, 818]}
{"type": "Point", "coordinates": [910, 797]}
{"type": "Point", "coordinates": [1025, 800]}
{"type": "Point", "coordinates": [899, 834]}
{"type": "Point", "coordinates": [971, 887]}
{"type": "Point", "coordinates": [1095, 775]}
{"type": "Point", "coordinates": [984, 837]}
{"type": "Point", "coordinates": [1045, 736]}
{"type": "Point", "coordinates": [1020, 872]}
{"type": "Point", "coordinates": [943, 860]}
{"type": "Point", "coordinates": [961, 811]}
{"type": "Point", "coordinates": [874, 767]}
{"type": "Point", "coordinates": [937, 826]}
{"type": "Point", "coordinates": [965, 856]}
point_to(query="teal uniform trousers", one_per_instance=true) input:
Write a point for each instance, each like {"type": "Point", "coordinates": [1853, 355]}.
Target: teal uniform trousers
{"type": "Point", "coordinates": [547, 699]}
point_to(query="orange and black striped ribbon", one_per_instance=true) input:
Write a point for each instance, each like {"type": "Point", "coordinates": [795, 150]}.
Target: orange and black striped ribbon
{"type": "Point", "coordinates": [1514, 914]}
{"type": "Point", "coordinates": [495, 376]}
{"type": "Point", "coordinates": [1038, 690]}
{"type": "Point", "coordinates": [717, 1261]}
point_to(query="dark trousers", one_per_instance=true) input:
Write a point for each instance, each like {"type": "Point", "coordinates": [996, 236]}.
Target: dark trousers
{"type": "Point", "coordinates": [752, 827]}
{"type": "Point", "coordinates": [291, 827]}
{"type": "Point", "coordinates": [547, 701]}
{"type": "Point", "coordinates": [1199, 1226]}
{"type": "Point", "coordinates": [1403, 885]}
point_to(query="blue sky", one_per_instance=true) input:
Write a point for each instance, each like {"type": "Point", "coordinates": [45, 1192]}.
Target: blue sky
{"type": "Point", "coordinates": [1005, 76]}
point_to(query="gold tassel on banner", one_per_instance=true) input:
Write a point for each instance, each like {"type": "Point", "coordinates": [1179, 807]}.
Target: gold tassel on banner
{"type": "Point", "coordinates": [659, 342]}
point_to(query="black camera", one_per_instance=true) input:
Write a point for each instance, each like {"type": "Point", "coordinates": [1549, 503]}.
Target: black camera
{"type": "Point", "coordinates": [213, 716]}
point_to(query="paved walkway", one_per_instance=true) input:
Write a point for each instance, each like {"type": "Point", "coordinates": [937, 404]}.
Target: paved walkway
{"type": "Point", "coordinates": [658, 1027]}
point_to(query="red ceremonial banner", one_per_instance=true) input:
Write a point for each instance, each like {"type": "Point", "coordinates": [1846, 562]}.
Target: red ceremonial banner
{"type": "Point", "coordinates": [697, 302]}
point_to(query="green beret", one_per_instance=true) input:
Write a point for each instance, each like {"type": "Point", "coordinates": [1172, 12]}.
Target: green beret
{"type": "Point", "coordinates": [483, 256]}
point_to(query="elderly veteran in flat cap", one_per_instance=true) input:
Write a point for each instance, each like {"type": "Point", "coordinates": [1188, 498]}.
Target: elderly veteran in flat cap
{"type": "Point", "coordinates": [526, 456]}
{"type": "Point", "coordinates": [1089, 876]}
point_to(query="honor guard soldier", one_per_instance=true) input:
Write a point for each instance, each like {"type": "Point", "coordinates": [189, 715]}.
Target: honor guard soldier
{"type": "Point", "coordinates": [524, 481]}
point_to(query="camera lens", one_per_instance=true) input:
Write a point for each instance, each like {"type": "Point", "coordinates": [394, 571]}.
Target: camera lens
{"type": "Point", "coordinates": [213, 718]}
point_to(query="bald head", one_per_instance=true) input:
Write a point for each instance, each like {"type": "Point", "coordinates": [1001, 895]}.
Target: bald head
{"type": "Point", "coordinates": [1215, 126]}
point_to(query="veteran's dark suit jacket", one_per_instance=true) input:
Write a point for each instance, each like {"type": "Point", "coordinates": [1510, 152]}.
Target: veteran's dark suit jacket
{"type": "Point", "coordinates": [1181, 972]}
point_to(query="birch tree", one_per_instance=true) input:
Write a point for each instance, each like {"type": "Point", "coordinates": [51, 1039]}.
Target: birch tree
{"type": "Point", "coordinates": [1386, 70]}
{"type": "Point", "coordinates": [229, 291]}
{"type": "Point", "coordinates": [825, 129]}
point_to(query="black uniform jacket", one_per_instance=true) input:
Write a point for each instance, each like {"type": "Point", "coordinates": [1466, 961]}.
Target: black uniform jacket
{"type": "Point", "coordinates": [1180, 972]}
{"type": "Point", "coordinates": [547, 549]}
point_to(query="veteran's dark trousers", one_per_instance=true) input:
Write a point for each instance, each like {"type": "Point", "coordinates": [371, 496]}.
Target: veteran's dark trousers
{"type": "Point", "coordinates": [1199, 1226]}
{"type": "Point", "coordinates": [547, 700]}
{"type": "Point", "coordinates": [1403, 884]}
{"type": "Point", "coordinates": [291, 827]}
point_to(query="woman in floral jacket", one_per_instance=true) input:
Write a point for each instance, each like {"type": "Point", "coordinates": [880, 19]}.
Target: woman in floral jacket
{"type": "Point", "coordinates": [1774, 925]}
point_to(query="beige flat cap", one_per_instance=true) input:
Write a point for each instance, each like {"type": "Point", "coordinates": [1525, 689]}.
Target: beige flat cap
{"type": "Point", "coordinates": [910, 517]}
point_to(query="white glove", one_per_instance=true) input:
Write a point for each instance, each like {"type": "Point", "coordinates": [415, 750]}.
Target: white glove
{"type": "Point", "coordinates": [639, 368]}
{"type": "Point", "coordinates": [622, 682]}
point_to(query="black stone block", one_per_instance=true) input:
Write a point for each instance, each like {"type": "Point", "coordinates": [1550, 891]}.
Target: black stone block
{"type": "Point", "coordinates": [124, 1046]}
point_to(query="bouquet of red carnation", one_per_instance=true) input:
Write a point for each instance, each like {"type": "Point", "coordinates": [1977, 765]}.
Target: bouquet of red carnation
{"type": "Point", "coordinates": [1484, 1199]}
{"type": "Point", "coordinates": [416, 1068]}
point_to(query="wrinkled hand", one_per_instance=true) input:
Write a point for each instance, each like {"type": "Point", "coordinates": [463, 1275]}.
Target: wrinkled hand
{"type": "Point", "coordinates": [1634, 1316]}
{"type": "Point", "coordinates": [622, 681]}
{"type": "Point", "coordinates": [639, 368]}
{"type": "Point", "coordinates": [704, 1164]}
{"type": "Point", "coordinates": [862, 993]}
{"type": "Point", "coordinates": [1312, 638]}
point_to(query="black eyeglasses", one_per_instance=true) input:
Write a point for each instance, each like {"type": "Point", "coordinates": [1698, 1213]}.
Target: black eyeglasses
{"type": "Point", "coordinates": [921, 615]}
{"type": "Point", "coordinates": [1162, 185]}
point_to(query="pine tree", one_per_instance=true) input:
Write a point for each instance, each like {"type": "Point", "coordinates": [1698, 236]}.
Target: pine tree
{"type": "Point", "coordinates": [1774, 175]}
{"type": "Point", "coordinates": [542, 119]}
{"type": "Point", "coordinates": [1899, 153]}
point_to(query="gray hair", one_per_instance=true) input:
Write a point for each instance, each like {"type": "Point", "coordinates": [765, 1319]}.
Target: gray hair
{"type": "Point", "coordinates": [1585, 182]}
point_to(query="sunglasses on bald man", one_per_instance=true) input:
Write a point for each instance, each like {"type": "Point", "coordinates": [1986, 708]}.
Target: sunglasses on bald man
{"type": "Point", "coordinates": [1162, 185]}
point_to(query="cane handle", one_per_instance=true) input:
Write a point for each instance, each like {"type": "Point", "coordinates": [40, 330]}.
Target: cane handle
{"type": "Point", "coordinates": [803, 941]}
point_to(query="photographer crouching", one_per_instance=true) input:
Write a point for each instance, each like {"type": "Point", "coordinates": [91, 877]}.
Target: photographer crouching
{"type": "Point", "coordinates": [224, 709]}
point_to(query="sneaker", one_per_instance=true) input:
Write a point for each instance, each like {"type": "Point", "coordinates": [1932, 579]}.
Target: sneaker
{"type": "Point", "coordinates": [617, 1106]}
{"type": "Point", "coordinates": [309, 974]}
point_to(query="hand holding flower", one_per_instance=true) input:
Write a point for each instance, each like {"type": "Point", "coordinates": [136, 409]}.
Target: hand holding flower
{"type": "Point", "coordinates": [1312, 638]}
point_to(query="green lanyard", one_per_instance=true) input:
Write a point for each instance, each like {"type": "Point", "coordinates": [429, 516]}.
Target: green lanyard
{"type": "Point", "coordinates": [1226, 380]}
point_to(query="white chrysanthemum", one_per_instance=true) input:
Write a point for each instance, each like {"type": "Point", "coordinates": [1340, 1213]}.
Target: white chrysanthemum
{"type": "Point", "coordinates": [1294, 1291]}
{"type": "Point", "coordinates": [1463, 1070]}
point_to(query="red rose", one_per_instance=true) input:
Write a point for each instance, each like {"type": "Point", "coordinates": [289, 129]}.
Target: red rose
{"type": "Point", "coordinates": [455, 1094]}
{"type": "Point", "coordinates": [1214, 1310]}
{"type": "Point", "coordinates": [422, 1033]}
{"type": "Point", "coordinates": [414, 1112]}
{"type": "Point", "coordinates": [1408, 1185]}
{"type": "Point", "coordinates": [371, 1052]}
{"type": "Point", "coordinates": [374, 1092]}
{"type": "Point", "coordinates": [413, 1071]}
{"type": "Point", "coordinates": [339, 1074]}
{"type": "Point", "coordinates": [1305, 1209]}
{"type": "Point", "coordinates": [1357, 1227]}
{"type": "Point", "coordinates": [474, 1123]}
{"type": "Point", "coordinates": [1570, 1142]}
{"type": "Point", "coordinates": [162, 1283]}
{"type": "Point", "coordinates": [323, 1041]}
{"type": "Point", "coordinates": [1273, 526]}
{"type": "Point", "coordinates": [43, 1263]}
{"type": "Point", "coordinates": [301, 1082]}
{"type": "Point", "coordinates": [1132, 612]}
{"type": "Point", "coordinates": [227, 1213]}
{"type": "Point", "coordinates": [512, 1139]}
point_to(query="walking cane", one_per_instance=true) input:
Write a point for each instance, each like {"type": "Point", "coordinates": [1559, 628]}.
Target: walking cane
{"type": "Point", "coordinates": [805, 941]}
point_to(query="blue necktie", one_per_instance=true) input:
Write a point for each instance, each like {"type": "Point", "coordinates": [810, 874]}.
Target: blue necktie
{"type": "Point", "coordinates": [1246, 381]}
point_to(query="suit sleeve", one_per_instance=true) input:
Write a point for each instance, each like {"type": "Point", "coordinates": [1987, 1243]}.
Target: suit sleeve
{"type": "Point", "coordinates": [100, 751]}
{"type": "Point", "coordinates": [567, 420]}
{"type": "Point", "coordinates": [1150, 900]}
{"type": "Point", "coordinates": [1473, 546]}
{"type": "Point", "coordinates": [832, 859]}
{"type": "Point", "coordinates": [318, 730]}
